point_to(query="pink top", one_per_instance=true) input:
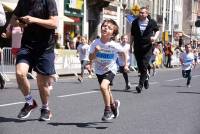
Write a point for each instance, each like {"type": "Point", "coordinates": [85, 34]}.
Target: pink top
{"type": "Point", "coordinates": [16, 36]}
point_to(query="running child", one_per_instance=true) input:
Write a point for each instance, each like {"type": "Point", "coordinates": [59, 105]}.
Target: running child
{"type": "Point", "coordinates": [83, 50]}
{"type": "Point", "coordinates": [103, 52]}
{"type": "Point", "coordinates": [126, 48]}
{"type": "Point", "coordinates": [187, 62]}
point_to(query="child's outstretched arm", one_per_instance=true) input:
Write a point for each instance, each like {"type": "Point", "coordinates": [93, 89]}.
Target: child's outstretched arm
{"type": "Point", "coordinates": [93, 55]}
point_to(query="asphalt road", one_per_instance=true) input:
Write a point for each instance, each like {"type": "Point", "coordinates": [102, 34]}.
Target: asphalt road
{"type": "Point", "coordinates": [167, 107]}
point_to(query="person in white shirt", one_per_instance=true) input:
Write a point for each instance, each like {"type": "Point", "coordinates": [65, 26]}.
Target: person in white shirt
{"type": "Point", "coordinates": [103, 52]}
{"type": "Point", "coordinates": [154, 57]}
{"type": "Point", "coordinates": [126, 48]}
{"type": "Point", "coordinates": [187, 62]}
{"type": "Point", "coordinates": [83, 50]}
{"type": "Point", "coordinates": [2, 16]}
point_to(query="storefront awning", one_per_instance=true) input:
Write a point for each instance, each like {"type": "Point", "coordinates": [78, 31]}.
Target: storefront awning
{"type": "Point", "coordinates": [9, 5]}
{"type": "Point", "coordinates": [67, 19]}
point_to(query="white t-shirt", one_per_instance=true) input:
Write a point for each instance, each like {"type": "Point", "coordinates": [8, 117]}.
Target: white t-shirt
{"type": "Point", "coordinates": [126, 49]}
{"type": "Point", "coordinates": [106, 58]}
{"type": "Point", "coordinates": [188, 59]}
{"type": "Point", "coordinates": [2, 16]}
{"type": "Point", "coordinates": [83, 52]}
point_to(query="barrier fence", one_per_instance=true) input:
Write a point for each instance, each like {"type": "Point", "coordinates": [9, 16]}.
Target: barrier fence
{"type": "Point", "coordinates": [66, 62]}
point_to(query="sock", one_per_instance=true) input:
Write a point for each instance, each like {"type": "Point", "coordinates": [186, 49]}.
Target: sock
{"type": "Point", "coordinates": [107, 108]}
{"type": "Point", "coordinates": [45, 106]}
{"type": "Point", "coordinates": [29, 99]}
{"type": "Point", "coordinates": [113, 106]}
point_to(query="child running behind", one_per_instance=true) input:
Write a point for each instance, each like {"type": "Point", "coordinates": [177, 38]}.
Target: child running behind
{"type": "Point", "coordinates": [126, 48]}
{"type": "Point", "coordinates": [187, 62]}
{"type": "Point", "coordinates": [83, 50]}
{"type": "Point", "coordinates": [103, 53]}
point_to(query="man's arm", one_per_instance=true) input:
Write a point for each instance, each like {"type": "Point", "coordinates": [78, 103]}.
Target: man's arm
{"type": "Point", "coordinates": [153, 38]}
{"type": "Point", "coordinates": [50, 23]}
{"type": "Point", "coordinates": [131, 44]}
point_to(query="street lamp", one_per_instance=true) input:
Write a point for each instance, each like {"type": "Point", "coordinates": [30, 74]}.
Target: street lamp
{"type": "Point", "coordinates": [124, 4]}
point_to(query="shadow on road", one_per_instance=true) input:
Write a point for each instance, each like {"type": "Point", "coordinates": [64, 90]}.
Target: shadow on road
{"type": "Point", "coordinates": [188, 92]}
{"type": "Point", "coordinates": [4, 119]}
{"type": "Point", "coordinates": [82, 125]}
{"type": "Point", "coordinates": [173, 85]}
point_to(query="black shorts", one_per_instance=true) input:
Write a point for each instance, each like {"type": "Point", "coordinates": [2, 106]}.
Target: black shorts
{"type": "Point", "coordinates": [108, 76]}
{"type": "Point", "coordinates": [42, 62]}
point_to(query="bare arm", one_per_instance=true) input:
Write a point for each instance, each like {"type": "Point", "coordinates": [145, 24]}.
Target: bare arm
{"type": "Point", "coordinates": [153, 38]}
{"type": "Point", "coordinates": [131, 44]}
{"type": "Point", "coordinates": [92, 56]}
{"type": "Point", "coordinates": [50, 23]}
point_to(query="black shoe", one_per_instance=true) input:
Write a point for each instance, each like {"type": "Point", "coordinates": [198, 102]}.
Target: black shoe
{"type": "Point", "coordinates": [80, 79]}
{"type": "Point", "coordinates": [45, 115]}
{"type": "Point", "coordinates": [138, 89]}
{"type": "Point", "coordinates": [2, 82]}
{"type": "Point", "coordinates": [115, 109]}
{"type": "Point", "coordinates": [146, 84]}
{"type": "Point", "coordinates": [26, 110]}
{"type": "Point", "coordinates": [108, 115]}
{"type": "Point", "coordinates": [128, 87]}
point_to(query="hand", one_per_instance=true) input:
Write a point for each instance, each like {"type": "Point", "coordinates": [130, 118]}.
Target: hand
{"type": "Point", "coordinates": [3, 35]}
{"type": "Point", "coordinates": [126, 69]}
{"type": "Point", "coordinates": [28, 19]}
{"type": "Point", "coordinates": [153, 39]}
{"type": "Point", "coordinates": [97, 48]}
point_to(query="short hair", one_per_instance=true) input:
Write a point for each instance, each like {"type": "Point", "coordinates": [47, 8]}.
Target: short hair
{"type": "Point", "coordinates": [116, 27]}
{"type": "Point", "coordinates": [146, 8]}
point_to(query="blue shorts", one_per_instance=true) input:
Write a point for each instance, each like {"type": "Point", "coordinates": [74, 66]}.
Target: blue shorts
{"type": "Point", "coordinates": [41, 61]}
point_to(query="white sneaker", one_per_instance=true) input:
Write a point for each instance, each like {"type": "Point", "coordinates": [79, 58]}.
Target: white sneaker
{"type": "Point", "coordinates": [90, 76]}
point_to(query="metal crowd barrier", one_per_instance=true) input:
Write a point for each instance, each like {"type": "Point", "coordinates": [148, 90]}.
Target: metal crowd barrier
{"type": "Point", "coordinates": [7, 63]}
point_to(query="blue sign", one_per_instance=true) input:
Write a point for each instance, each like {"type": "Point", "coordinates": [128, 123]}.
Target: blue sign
{"type": "Point", "coordinates": [130, 18]}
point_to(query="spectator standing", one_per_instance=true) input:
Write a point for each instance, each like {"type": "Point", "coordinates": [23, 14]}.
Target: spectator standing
{"type": "Point", "coordinates": [67, 40]}
{"type": "Point", "coordinates": [144, 32]}
{"type": "Point", "coordinates": [168, 54]}
{"type": "Point", "coordinates": [37, 50]}
{"type": "Point", "coordinates": [2, 23]}
{"type": "Point", "coordinates": [103, 52]}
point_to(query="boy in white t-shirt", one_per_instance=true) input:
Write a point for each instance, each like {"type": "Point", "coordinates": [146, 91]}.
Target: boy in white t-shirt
{"type": "Point", "coordinates": [126, 48]}
{"type": "Point", "coordinates": [83, 50]}
{"type": "Point", "coordinates": [187, 62]}
{"type": "Point", "coordinates": [103, 52]}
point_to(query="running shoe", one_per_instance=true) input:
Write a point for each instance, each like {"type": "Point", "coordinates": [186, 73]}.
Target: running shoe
{"type": "Point", "coordinates": [26, 110]}
{"type": "Point", "coordinates": [2, 82]}
{"type": "Point", "coordinates": [128, 86]}
{"type": "Point", "coordinates": [115, 109]}
{"type": "Point", "coordinates": [108, 115]}
{"type": "Point", "coordinates": [45, 115]}
{"type": "Point", "coordinates": [138, 89]}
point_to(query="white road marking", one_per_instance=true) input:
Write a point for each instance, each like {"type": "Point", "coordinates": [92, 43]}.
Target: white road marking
{"type": "Point", "coordinates": [10, 104]}
{"type": "Point", "coordinates": [69, 95]}
{"type": "Point", "coordinates": [176, 79]}
{"type": "Point", "coordinates": [82, 93]}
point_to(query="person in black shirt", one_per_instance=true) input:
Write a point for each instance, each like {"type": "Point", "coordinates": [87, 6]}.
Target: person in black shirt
{"type": "Point", "coordinates": [39, 19]}
{"type": "Point", "coordinates": [144, 32]}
